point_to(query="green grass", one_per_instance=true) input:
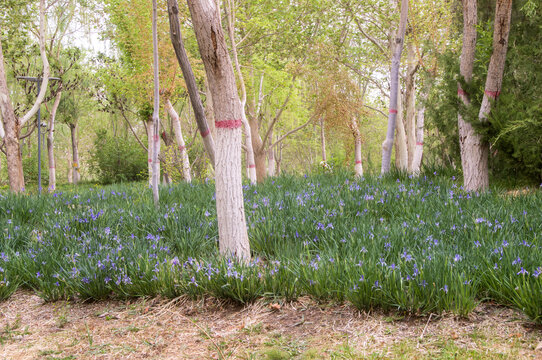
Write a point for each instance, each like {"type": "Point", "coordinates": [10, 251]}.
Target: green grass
{"type": "Point", "coordinates": [416, 245]}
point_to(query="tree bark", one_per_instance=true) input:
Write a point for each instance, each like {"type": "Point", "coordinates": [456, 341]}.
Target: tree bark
{"type": "Point", "coordinates": [323, 140]}
{"type": "Point", "coordinates": [418, 150]}
{"type": "Point", "coordinates": [156, 111]}
{"type": "Point", "coordinates": [401, 148]}
{"type": "Point", "coordinates": [150, 136]}
{"type": "Point", "coordinates": [271, 166]}
{"type": "Point", "coordinates": [75, 153]}
{"type": "Point", "coordinates": [410, 94]}
{"type": "Point", "coordinates": [358, 166]}
{"type": "Point", "coordinates": [469, 141]}
{"type": "Point", "coordinates": [190, 80]}
{"type": "Point", "coordinates": [50, 143]}
{"type": "Point", "coordinates": [394, 90]}
{"type": "Point", "coordinates": [250, 155]}
{"type": "Point", "coordinates": [180, 140]}
{"type": "Point", "coordinates": [232, 229]}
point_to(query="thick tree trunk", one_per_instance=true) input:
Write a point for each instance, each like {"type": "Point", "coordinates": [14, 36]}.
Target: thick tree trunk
{"type": "Point", "coordinates": [180, 140]}
{"type": "Point", "coordinates": [232, 229]}
{"type": "Point", "coordinates": [50, 143]}
{"type": "Point", "coordinates": [410, 94]}
{"type": "Point", "coordinates": [190, 80]}
{"type": "Point", "coordinates": [394, 90]}
{"type": "Point", "coordinates": [469, 142]}
{"type": "Point", "coordinates": [323, 140]}
{"type": "Point", "coordinates": [11, 136]}
{"type": "Point", "coordinates": [75, 153]}
{"type": "Point", "coordinates": [401, 148]}
{"type": "Point", "coordinates": [271, 157]}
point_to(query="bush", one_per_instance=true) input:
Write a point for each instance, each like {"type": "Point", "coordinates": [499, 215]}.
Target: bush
{"type": "Point", "coordinates": [117, 159]}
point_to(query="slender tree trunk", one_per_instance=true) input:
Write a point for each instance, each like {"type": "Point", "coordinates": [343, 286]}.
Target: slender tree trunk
{"type": "Point", "coordinates": [232, 229]}
{"type": "Point", "coordinates": [271, 157]}
{"type": "Point", "coordinates": [394, 90]}
{"type": "Point", "coordinates": [418, 150]}
{"type": "Point", "coordinates": [150, 136]}
{"type": "Point", "coordinates": [180, 140]}
{"type": "Point", "coordinates": [156, 111]}
{"type": "Point", "coordinates": [190, 80]}
{"type": "Point", "coordinates": [50, 143]}
{"type": "Point", "coordinates": [70, 168]}
{"type": "Point", "coordinates": [358, 166]}
{"type": "Point", "coordinates": [75, 153]}
{"type": "Point", "coordinates": [401, 148]}
{"type": "Point", "coordinates": [250, 156]}
{"type": "Point", "coordinates": [410, 123]}
{"type": "Point", "coordinates": [323, 140]}
{"type": "Point", "coordinates": [469, 141]}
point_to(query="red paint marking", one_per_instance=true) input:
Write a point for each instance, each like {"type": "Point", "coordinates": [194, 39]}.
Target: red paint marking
{"type": "Point", "coordinates": [205, 133]}
{"type": "Point", "coordinates": [181, 148]}
{"type": "Point", "coordinates": [419, 143]}
{"type": "Point", "coordinates": [251, 166]}
{"type": "Point", "coordinates": [228, 124]}
{"type": "Point", "coordinates": [156, 138]}
{"type": "Point", "coordinates": [358, 162]}
{"type": "Point", "coordinates": [393, 111]}
{"type": "Point", "coordinates": [492, 94]}
{"type": "Point", "coordinates": [52, 167]}
{"type": "Point", "coordinates": [461, 92]}
{"type": "Point", "coordinates": [150, 160]}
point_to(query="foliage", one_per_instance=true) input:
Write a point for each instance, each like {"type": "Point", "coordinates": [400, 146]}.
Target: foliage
{"type": "Point", "coordinates": [417, 245]}
{"type": "Point", "coordinates": [117, 159]}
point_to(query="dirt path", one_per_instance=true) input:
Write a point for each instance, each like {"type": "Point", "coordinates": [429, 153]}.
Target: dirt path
{"type": "Point", "coordinates": [184, 329]}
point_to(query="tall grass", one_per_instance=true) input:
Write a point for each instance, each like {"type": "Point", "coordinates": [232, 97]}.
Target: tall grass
{"type": "Point", "coordinates": [416, 245]}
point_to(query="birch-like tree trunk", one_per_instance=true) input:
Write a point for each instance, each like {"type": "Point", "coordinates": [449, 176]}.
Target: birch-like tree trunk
{"type": "Point", "coordinates": [469, 141]}
{"type": "Point", "coordinates": [251, 164]}
{"type": "Point", "coordinates": [394, 89]}
{"type": "Point", "coordinates": [358, 165]}
{"type": "Point", "coordinates": [271, 166]}
{"type": "Point", "coordinates": [401, 148]}
{"type": "Point", "coordinates": [232, 228]}
{"type": "Point", "coordinates": [76, 176]}
{"type": "Point", "coordinates": [180, 140]}
{"type": "Point", "coordinates": [50, 143]}
{"type": "Point", "coordinates": [150, 136]}
{"type": "Point", "coordinates": [156, 111]}
{"type": "Point", "coordinates": [190, 80]}
{"type": "Point", "coordinates": [418, 150]}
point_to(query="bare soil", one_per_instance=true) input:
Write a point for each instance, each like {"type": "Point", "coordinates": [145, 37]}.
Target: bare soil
{"type": "Point", "coordinates": [210, 329]}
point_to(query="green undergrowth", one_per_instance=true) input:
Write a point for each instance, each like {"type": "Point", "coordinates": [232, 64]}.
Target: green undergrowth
{"type": "Point", "coordinates": [417, 245]}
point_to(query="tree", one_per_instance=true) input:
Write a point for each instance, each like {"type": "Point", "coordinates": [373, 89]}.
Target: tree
{"type": "Point", "coordinates": [232, 230]}
{"type": "Point", "coordinates": [13, 124]}
{"type": "Point", "coordinates": [394, 90]}
{"type": "Point", "coordinates": [156, 110]}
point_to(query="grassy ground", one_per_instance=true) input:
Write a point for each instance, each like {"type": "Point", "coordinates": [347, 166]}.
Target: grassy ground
{"type": "Point", "coordinates": [161, 328]}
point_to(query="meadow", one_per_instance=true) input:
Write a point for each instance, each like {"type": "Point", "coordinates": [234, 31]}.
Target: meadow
{"type": "Point", "coordinates": [416, 245]}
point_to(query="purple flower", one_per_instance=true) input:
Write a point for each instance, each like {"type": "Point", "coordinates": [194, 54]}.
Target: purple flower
{"type": "Point", "coordinates": [522, 272]}
{"type": "Point", "coordinates": [445, 289]}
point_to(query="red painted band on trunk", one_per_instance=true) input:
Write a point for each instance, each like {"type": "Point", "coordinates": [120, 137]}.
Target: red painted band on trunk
{"type": "Point", "coordinates": [251, 166]}
{"type": "Point", "coordinates": [358, 162]}
{"type": "Point", "coordinates": [461, 92]}
{"type": "Point", "coordinates": [228, 124]}
{"type": "Point", "coordinates": [419, 143]}
{"type": "Point", "coordinates": [150, 160]}
{"type": "Point", "coordinates": [156, 138]}
{"type": "Point", "coordinates": [52, 167]}
{"type": "Point", "coordinates": [492, 94]}
{"type": "Point", "coordinates": [393, 111]}
{"type": "Point", "coordinates": [205, 133]}
{"type": "Point", "coordinates": [181, 148]}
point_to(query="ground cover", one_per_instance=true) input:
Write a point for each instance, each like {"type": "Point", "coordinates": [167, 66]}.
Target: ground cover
{"type": "Point", "coordinates": [416, 245]}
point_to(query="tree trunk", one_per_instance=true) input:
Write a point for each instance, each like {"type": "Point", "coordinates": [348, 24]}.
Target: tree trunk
{"type": "Point", "coordinates": [418, 150]}
{"type": "Point", "coordinates": [271, 157]}
{"type": "Point", "coordinates": [232, 229]}
{"type": "Point", "coordinates": [50, 143]}
{"type": "Point", "coordinates": [394, 90]}
{"type": "Point", "coordinates": [358, 167]}
{"type": "Point", "coordinates": [70, 168]}
{"type": "Point", "coordinates": [75, 153]}
{"type": "Point", "coordinates": [156, 110]}
{"type": "Point", "coordinates": [469, 141]}
{"type": "Point", "coordinates": [180, 140]}
{"type": "Point", "coordinates": [190, 80]}
{"type": "Point", "coordinates": [401, 149]}
{"type": "Point", "coordinates": [323, 140]}
{"type": "Point", "coordinates": [410, 123]}
{"type": "Point", "coordinates": [250, 156]}
{"type": "Point", "coordinates": [12, 128]}
{"type": "Point", "coordinates": [150, 135]}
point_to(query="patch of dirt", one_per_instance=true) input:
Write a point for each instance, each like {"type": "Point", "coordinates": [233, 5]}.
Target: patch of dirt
{"type": "Point", "coordinates": [210, 329]}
